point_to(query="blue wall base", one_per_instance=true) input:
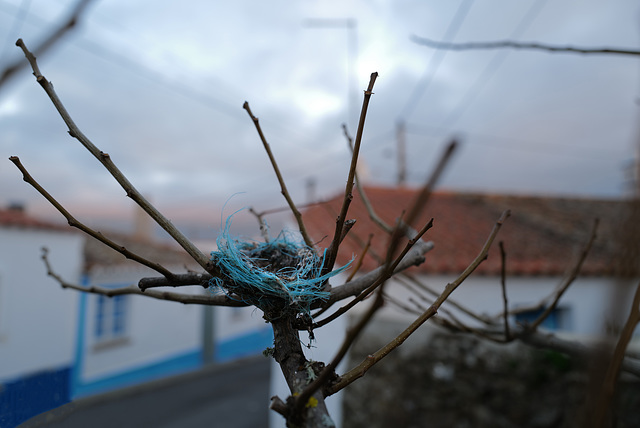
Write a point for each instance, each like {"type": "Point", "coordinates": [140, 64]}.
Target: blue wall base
{"type": "Point", "coordinates": [31, 395]}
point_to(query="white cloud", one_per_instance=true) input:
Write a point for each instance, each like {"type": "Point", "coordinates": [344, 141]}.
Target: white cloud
{"type": "Point", "coordinates": [161, 89]}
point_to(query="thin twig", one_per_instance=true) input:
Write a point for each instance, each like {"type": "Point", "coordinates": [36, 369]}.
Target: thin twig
{"type": "Point", "coordinates": [427, 189]}
{"type": "Point", "coordinates": [450, 302]}
{"type": "Point", "coordinates": [354, 270]}
{"type": "Point", "coordinates": [355, 331]}
{"type": "Point", "coordinates": [365, 200]}
{"type": "Point", "coordinates": [569, 279]}
{"type": "Point", "coordinates": [106, 161]}
{"type": "Point", "coordinates": [613, 370]}
{"type": "Point", "coordinates": [503, 283]}
{"type": "Point", "coordinates": [276, 169]}
{"type": "Point", "coordinates": [332, 253]}
{"type": "Point", "coordinates": [418, 205]}
{"type": "Point", "coordinates": [73, 222]}
{"type": "Point", "coordinates": [358, 264]}
{"type": "Point", "coordinates": [212, 300]}
{"type": "Point", "coordinates": [49, 40]}
{"type": "Point", "coordinates": [384, 272]}
{"type": "Point", "coordinates": [264, 228]}
{"type": "Point", "coordinates": [358, 285]}
{"type": "Point", "coordinates": [521, 45]}
{"type": "Point", "coordinates": [287, 208]}
{"type": "Point", "coordinates": [362, 368]}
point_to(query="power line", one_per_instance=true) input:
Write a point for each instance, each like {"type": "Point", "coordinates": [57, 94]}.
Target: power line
{"type": "Point", "coordinates": [436, 60]}
{"type": "Point", "coordinates": [492, 66]}
{"type": "Point", "coordinates": [140, 70]}
{"type": "Point", "coordinates": [154, 76]}
{"type": "Point", "coordinates": [518, 144]}
{"type": "Point", "coordinates": [18, 21]}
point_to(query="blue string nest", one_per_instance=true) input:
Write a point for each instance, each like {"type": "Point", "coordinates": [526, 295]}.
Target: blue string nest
{"type": "Point", "coordinates": [280, 277]}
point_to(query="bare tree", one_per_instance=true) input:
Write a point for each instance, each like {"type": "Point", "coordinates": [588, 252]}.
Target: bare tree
{"type": "Point", "coordinates": [292, 287]}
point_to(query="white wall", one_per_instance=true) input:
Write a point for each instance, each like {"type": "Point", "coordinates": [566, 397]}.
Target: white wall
{"type": "Point", "coordinates": [588, 300]}
{"type": "Point", "coordinates": [156, 330]}
{"type": "Point", "coordinates": [37, 317]}
{"type": "Point", "coordinates": [232, 322]}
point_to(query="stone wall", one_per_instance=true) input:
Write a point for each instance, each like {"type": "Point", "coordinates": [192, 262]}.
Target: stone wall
{"type": "Point", "coordinates": [437, 380]}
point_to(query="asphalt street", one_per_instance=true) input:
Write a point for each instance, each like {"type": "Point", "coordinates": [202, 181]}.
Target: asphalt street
{"type": "Point", "coordinates": [234, 395]}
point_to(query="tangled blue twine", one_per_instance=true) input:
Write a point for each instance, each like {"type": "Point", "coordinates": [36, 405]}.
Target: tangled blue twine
{"type": "Point", "coordinates": [278, 277]}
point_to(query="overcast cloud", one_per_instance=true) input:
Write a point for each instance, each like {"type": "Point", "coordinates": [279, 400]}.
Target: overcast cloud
{"type": "Point", "coordinates": [160, 87]}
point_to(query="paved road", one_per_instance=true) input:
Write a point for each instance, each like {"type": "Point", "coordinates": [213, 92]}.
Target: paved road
{"type": "Point", "coordinates": [235, 395]}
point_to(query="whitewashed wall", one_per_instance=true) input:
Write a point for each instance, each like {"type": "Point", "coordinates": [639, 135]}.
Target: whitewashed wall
{"type": "Point", "coordinates": [37, 317]}
{"type": "Point", "coordinates": [592, 303]}
{"type": "Point", "coordinates": [162, 337]}
{"type": "Point", "coordinates": [156, 330]}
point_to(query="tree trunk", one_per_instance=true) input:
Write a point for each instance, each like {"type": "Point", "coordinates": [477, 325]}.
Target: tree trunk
{"type": "Point", "coordinates": [298, 372]}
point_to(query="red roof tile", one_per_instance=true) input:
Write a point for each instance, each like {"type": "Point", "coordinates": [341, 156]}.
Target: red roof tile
{"type": "Point", "coordinates": [543, 236]}
{"type": "Point", "coordinates": [17, 218]}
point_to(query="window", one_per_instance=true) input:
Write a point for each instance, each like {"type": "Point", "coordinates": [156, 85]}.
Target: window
{"type": "Point", "coordinates": [558, 319]}
{"type": "Point", "coordinates": [111, 317]}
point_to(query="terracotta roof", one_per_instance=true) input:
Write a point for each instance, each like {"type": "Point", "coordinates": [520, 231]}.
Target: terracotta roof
{"type": "Point", "coordinates": [542, 237]}
{"type": "Point", "coordinates": [18, 218]}
{"type": "Point", "coordinates": [98, 254]}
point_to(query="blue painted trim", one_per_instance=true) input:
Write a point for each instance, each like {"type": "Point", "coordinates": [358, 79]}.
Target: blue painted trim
{"type": "Point", "coordinates": [31, 394]}
{"type": "Point", "coordinates": [178, 364]}
{"type": "Point", "coordinates": [78, 364]}
{"type": "Point", "coordinates": [243, 345]}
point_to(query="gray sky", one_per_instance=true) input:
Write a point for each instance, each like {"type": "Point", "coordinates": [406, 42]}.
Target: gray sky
{"type": "Point", "coordinates": [160, 87]}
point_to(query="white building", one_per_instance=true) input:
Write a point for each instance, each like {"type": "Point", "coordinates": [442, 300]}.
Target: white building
{"type": "Point", "coordinates": [57, 344]}
{"type": "Point", "coordinates": [129, 339]}
{"type": "Point", "coordinates": [38, 319]}
{"type": "Point", "coordinates": [542, 239]}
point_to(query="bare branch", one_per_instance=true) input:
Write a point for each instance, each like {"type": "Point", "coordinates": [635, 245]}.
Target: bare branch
{"type": "Point", "coordinates": [106, 161]}
{"type": "Point", "coordinates": [427, 189]}
{"type": "Point", "coordinates": [278, 406]}
{"type": "Point", "coordinates": [450, 302]}
{"type": "Point", "coordinates": [355, 287]}
{"type": "Point", "coordinates": [417, 206]}
{"type": "Point", "coordinates": [283, 186]}
{"type": "Point", "coordinates": [73, 222]}
{"type": "Point", "coordinates": [383, 272]}
{"type": "Point", "coordinates": [264, 228]}
{"type": "Point", "coordinates": [613, 371]}
{"type": "Point", "coordinates": [178, 280]}
{"type": "Point", "coordinates": [358, 264]}
{"type": "Point", "coordinates": [365, 200]}
{"type": "Point", "coordinates": [212, 300]}
{"type": "Point", "coordinates": [522, 45]}
{"type": "Point", "coordinates": [362, 368]}
{"type": "Point", "coordinates": [503, 283]}
{"type": "Point", "coordinates": [389, 266]}
{"type": "Point", "coordinates": [49, 40]}
{"type": "Point", "coordinates": [569, 279]}
{"type": "Point", "coordinates": [332, 253]}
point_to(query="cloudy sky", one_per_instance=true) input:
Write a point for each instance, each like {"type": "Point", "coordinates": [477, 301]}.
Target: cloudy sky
{"type": "Point", "coordinates": [160, 87]}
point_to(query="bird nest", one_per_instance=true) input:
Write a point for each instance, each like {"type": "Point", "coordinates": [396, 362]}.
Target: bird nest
{"type": "Point", "coordinates": [281, 277]}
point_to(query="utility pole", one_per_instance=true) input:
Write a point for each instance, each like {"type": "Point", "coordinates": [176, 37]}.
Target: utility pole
{"type": "Point", "coordinates": [401, 152]}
